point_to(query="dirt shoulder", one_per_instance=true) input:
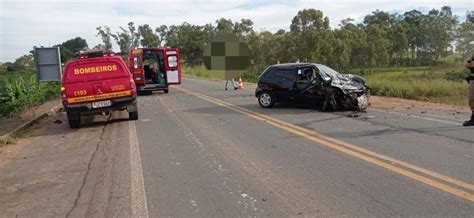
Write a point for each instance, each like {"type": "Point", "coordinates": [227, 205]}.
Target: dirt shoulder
{"type": "Point", "coordinates": [382, 102]}
{"type": "Point", "coordinates": [55, 171]}
{"type": "Point", "coordinates": [9, 123]}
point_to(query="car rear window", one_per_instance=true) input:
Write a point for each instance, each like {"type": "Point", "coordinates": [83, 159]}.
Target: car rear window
{"type": "Point", "coordinates": [95, 69]}
{"type": "Point", "coordinates": [285, 74]}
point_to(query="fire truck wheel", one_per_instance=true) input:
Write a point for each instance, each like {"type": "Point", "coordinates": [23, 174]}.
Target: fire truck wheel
{"type": "Point", "coordinates": [74, 120]}
{"type": "Point", "coordinates": [167, 90]}
{"type": "Point", "coordinates": [133, 115]}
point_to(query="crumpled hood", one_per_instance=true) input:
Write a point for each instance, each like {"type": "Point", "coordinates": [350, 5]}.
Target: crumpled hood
{"type": "Point", "coordinates": [348, 82]}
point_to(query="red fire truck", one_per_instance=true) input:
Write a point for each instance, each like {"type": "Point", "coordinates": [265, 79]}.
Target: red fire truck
{"type": "Point", "coordinates": [97, 82]}
{"type": "Point", "coordinates": [155, 68]}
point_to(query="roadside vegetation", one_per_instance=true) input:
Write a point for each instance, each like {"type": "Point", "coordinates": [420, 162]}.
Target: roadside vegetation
{"type": "Point", "coordinates": [434, 84]}
{"type": "Point", "coordinates": [19, 89]}
{"type": "Point", "coordinates": [201, 71]}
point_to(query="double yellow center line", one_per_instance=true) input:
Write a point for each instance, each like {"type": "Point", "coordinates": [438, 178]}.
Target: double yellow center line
{"type": "Point", "coordinates": [456, 187]}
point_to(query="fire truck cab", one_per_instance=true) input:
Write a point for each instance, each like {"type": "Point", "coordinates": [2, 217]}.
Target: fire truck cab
{"type": "Point", "coordinates": [155, 68]}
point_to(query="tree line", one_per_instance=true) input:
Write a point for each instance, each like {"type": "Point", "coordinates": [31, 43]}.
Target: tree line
{"type": "Point", "coordinates": [412, 38]}
{"type": "Point", "coordinates": [383, 39]}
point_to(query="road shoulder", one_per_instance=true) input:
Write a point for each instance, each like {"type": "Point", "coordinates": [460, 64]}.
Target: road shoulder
{"type": "Point", "coordinates": [11, 124]}
{"type": "Point", "coordinates": [57, 171]}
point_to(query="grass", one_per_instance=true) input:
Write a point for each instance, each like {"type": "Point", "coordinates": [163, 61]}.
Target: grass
{"type": "Point", "coordinates": [440, 84]}
{"type": "Point", "coordinates": [10, 140]}
{"type": "Point", "coordinates": [21, 89]}
{"type": "Point", "coordinates": [201, 71]}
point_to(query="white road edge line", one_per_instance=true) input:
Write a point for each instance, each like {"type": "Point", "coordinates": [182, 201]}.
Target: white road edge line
{"type": "Point", "coordinates": [138, 195]}
{"type": "Point", "coordinates": [417, 117]}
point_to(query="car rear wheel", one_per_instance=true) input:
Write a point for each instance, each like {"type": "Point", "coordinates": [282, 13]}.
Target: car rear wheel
{"type": "Point", "coordinates": [167, 90]}
{"type": "Point", "coordinates": [266, 99]}
{"type": "Point", "coordinates": [74, 120]}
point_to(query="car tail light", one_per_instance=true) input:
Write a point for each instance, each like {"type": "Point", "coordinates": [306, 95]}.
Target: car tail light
{"type": "Point", "coordinates": [139, 80]}
{"type": "Point", "coordinates": [63, 92]}
{"type": "Point", "coordinates": [64, 96]}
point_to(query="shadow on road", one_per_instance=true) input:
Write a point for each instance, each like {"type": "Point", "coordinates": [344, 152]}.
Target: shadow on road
{"type": "Point", "coordinates": [58, 125]}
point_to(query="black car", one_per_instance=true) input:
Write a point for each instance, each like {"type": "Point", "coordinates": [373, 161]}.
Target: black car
{"type": "Point", "coordinates": [315, 84]}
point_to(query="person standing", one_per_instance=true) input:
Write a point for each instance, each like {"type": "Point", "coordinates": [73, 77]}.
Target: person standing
{"type": "Point", "coordinates": [470, 80]}
{"type": "Point", "coordinates": [232, 81]}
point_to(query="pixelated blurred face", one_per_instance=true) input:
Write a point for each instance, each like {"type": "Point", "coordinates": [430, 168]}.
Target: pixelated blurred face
{"type": "Point", "coordinates": [227, 53]}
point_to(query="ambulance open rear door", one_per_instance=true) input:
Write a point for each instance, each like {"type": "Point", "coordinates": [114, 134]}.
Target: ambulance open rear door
{"type": "Point", "coordinates": [172, 66]}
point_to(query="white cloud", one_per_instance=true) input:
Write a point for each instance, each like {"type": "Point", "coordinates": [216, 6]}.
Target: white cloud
{"type": "Point", "coordinates": [24, 24]}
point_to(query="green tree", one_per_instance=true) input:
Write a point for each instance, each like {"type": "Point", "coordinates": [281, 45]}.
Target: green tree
{"type": "Point", "coordinates": [190, 40]}
{"type": "Point", "coordinates": [106, 36]}
{"type": "Point", "coordinates": [148, 37]}
{"type": "Point", "coordinates": [123, 40]}
{"type": "Point", "coordinates": [162, 31]}
{"type": "Point", "coordinates": [435, 34]}
{"type": "Point", "coordinates": [75, 45]}
{"type": "Point", "coordinates": [243, 28]}
{"type": "Point", "coordinates": [312, 36]}
{"type": "Point", "coordinates": [134, 35]}
{"type": "Point", "coordinates": [69, 48]}
{"type": "Point", "coordinates": [349, 45]}
{"type": "Point", "coordinates": [26, 61]}
{"type": "Point", "coordinates": [383, 19]}
{"type": "Point", "coordinates": [398, 36]}
{"type": "Point", "coordinates": [465, 36]}
{"type": "Point", "coordinates": [309, 19]}
{"type": "Point", "coordinates": [224, 25]}
{"type": "Point", "coordinates": [377, 46]}
{"type": "Point", "coordinates": [415, 36]}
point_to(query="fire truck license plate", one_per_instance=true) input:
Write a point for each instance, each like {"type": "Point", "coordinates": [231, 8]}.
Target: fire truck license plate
{"type": "Point", "coordinates": [101, 104]}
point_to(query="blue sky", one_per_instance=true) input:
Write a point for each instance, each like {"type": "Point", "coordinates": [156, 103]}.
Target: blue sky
{"type": "Point", "coordinates": [28, 23]}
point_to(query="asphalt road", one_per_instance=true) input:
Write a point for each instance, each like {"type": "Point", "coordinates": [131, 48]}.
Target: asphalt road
{"type": "Point", "coordinates": [200, 151]}
{"type": "Point", "coordinates": [209, 152]}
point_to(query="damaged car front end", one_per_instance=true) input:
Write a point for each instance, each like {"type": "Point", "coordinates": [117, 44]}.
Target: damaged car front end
{"type": "Point", "coordinates": [343, 91]}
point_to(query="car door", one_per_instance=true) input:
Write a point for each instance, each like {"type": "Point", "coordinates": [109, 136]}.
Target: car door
{"type": "Point", "coordinates": [283, 83]}
{"type": "Point", "coordinates": [308, 86]}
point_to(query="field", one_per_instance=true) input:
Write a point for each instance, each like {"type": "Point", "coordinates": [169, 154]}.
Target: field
{"type": "Point", "coordinates": [21, 89]}
{"type": "Point", "coordinates": [434, 84]}
{"type": "Point", "coordinates": [439, 84]}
